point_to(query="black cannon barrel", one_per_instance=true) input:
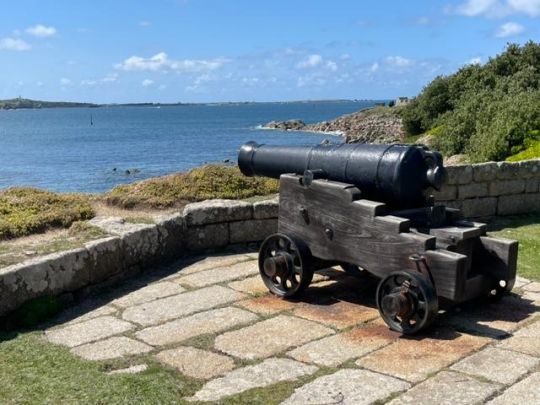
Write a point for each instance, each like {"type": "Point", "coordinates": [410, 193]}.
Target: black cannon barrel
{"type": "Point", "coordinates": [397, 175]}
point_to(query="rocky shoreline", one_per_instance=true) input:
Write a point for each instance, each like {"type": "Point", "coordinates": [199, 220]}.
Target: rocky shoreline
{"type": "Point", "coordinates": [374, 125]}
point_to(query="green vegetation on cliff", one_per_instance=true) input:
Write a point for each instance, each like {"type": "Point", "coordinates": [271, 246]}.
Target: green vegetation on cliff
{"type": "Point", "coordinates": [201, 183]}
{"type": "Point", "coordinates": [488, 112]}
{"type": "Point", "coordinates": [24, 211]}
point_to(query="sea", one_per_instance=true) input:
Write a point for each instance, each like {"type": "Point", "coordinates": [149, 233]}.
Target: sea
{"type": "Point", "coordinates": [95, 149]}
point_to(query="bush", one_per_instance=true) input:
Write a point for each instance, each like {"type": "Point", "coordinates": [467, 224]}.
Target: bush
{"type": "Point", "coordinates": [212, 181]}
{"type": "Point", "coordinates": [532, 148]}
{"type": "Point", "coordinates": [484, 111]}
{"type": "Point", "coordinates": [28, 210]}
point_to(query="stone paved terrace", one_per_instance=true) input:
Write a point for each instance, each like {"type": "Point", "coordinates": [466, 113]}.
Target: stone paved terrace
{"type": "Point", "coordinates": [212, 320]}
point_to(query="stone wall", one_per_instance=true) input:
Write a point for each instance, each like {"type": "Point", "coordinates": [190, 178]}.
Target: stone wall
{"type": "Point", "coordinates": [494, 188]}
{"type": "Point", "coordinates": [133, 247]}
{"type": "Point", "coordinates": [481, 190]}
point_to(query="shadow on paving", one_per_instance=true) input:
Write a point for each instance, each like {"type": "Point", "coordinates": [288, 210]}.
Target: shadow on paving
{"type": "Point", "coordinates": [479, 317]}
{"type": "Point", "coordinates": [49, 311]}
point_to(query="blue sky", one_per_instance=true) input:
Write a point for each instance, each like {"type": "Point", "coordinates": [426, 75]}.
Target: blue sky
{"type": "Point", "coordinates": [239, 50]}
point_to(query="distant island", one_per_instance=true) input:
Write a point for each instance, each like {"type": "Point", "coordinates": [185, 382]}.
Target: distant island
{"type": "Point", "coordinates": [19, 103]}
{"type": "Point", "coordinates": [26, 103]}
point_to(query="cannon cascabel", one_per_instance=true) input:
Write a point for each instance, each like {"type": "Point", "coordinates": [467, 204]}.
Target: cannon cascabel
{"type": "Point", "coordinates": [397, 175]}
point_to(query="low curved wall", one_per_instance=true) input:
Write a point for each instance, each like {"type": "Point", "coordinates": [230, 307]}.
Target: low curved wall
{"type": "Point", "coordinates": [481, 190]}
{"type": "Point", "coordinates": [201, 226]}
{"type": "Point", "coordinates": [493, 188]}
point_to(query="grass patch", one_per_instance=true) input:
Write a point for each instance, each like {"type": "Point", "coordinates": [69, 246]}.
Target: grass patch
{"type": "Point", "coordinates": [35, 371]}
{"type": "Point", "coordinates": [24, 211]}
{"type": "Point", "coordinates": [36, 310]}
{"type": "Point", "coordinates": [532, 152]}
{"type": "Point", "coordinates": [276, 393]}
{"type": "Point", "coordinates": [139, 220]}
{"type": "Point", "coordinates": [202, 183]}
{"type": "Point", "coordinates": [525, 229]}
{"type": "Point", "coordinates": [205, 341]}
{"type": "Point", "coordinates": [15, 251]}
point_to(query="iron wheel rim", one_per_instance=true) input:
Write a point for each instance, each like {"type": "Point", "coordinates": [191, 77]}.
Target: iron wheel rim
{"type": "Point", "coordinates": [297, 257]}
{"type": "Point", "coordinates": [421, 296]}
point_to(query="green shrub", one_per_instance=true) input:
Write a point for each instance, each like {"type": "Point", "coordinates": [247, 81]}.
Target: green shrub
{"type": "Point", "coordinates": [485, 111]}
{"type": "Point", "coordinates": [531, 149]}
{"type": "Point", "coordinates": [211, 181]}
{"type": "Point", "coordinates": [533, 152]}
{"type": "Point", "coordinates": [28, 210]}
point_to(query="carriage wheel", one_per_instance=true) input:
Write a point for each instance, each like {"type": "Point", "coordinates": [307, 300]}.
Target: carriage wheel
{"type": "Point", "coordinates": [407, 301]}
{"type": "Point", "coordinates": [285, 265]}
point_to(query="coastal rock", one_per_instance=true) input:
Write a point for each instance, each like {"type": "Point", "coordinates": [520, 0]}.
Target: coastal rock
{"type": "Point", "coordinates": [367, 126]}
{"type": "Point", "coordinates": [289, 125]}
{"type": "Point", "coordinates": [373, 125]}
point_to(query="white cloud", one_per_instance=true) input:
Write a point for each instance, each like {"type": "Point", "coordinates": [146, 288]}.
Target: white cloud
{"type": "Point", "coordinates": [509, 29]}
{"type": "Point", "coordinates": [311, 80]}
{"type": "Point", "coordinates": [344, 78]}
{"type": "Point", "coordinates": [317, 61]}
{"type": "Point", "coordinates": [374, 67]}
{"type": "Point", "coordinates": [472, 8]}
{"type": "Point", "coordinates": [64, 81]}
{"type": "Point", "coordinates": [310, 62]}
{"type": "Point", "coordinates": [14, 44]}
{"type": "Point", "coordinates": [161, 61]}
{"type": "Point", "coordinates": [398, 61]}
{"type": "Point", "coordinates": [109, 78]}
{"type": "Point", "coordinates": [145, 23]}
{"type": "Point", "coordinates": [331, 65]}
{"type": "Point", "coordinates": [250, 81]}
{"type": "Point", "coordinates": [147, 82]}
{"type": "Point", "coordinates": [529, 7]}
{"type": "Point", "coordinates": [474, 61]}
{"type": "Point", "coordinates": [162, 87]}
{"type": "Point", "coordinates": [41, 31]}
{"type": "Point", "coordinates": [497, 8]}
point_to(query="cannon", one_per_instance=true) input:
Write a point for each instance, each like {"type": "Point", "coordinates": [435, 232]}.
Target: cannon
{"type": "Point", "coordinates": [370, 209]}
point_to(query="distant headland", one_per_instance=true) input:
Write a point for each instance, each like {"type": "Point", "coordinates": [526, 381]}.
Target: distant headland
{"type": "Point", "coordinates": [26, 103]}
{"type": "Point", "coordinates": [20, 103]}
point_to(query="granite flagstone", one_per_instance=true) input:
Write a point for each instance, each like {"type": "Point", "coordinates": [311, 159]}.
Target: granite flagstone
{"type": "Point", "coordinates": [165, 309]}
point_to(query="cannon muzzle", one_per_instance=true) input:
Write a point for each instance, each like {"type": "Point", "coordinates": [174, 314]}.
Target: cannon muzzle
{"type": "Point", "coordinates": [397, 175]}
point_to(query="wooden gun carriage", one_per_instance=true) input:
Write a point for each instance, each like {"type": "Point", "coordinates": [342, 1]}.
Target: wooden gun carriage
{"type": "Point", "coordinates": [330, 211]}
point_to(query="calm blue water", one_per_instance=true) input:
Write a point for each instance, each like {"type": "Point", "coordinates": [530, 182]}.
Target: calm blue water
{"type": "Point", "coordinates": [59, 150]}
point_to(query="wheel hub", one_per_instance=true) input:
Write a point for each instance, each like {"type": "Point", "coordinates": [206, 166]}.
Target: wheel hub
{"type": "Point", "coordinates": [407, 301]}
{"type": "Point", "coordinates": [285, 265]}
{"type": "Point", "coordinates": [277, 266]}
{"type": "Point", "coordinates": [397, 304]}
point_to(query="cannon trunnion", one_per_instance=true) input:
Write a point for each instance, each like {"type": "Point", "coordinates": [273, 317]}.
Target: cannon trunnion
{"type": "Point", "coordinates": [421, 255]}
